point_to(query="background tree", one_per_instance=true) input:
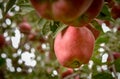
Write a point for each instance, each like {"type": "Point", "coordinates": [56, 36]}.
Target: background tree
{"type": "Point", "coordinates": [27, 43]}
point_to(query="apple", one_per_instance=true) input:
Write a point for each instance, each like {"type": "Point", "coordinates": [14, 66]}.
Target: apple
{"type": "Point", "coordinates": [32, 36]}
{"type": "Point", "coordinates": [91, 13]}
{"type": "Point", "coordinates": [116, 55]}
{"type": "Point", "coordinates": [2, 40]}
{"type": "Point", "coordinates": [61, 9]}
{"type": "Point", "coordinates": [25, 27]}
{"type": "Point", "coordinates": [69, 71]}
{"type": "Point", "coordinates": [118, 28]}
{"type": "Point", "coordinates": [68, 10]}
{"type": "Point", "coordinates": [115, 11]}
{"type": "Point", "coordinates": [74, 46]}
{"type": "Point", "coordinates": [95, 32]}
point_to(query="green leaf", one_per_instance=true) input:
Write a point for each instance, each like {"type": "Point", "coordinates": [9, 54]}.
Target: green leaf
{"type": "Point", "coordinates": [117, 65]}
{"type": "Point", "coordinates": [102, 75]}
{"type": "Point", "coordinates": [105, 14]}
{"type": "Point", "coordinates": [2, 61]}
{"type": "Point", "coordinates": [102, 39]}
{"type": "Point", "coordinates": [9, 5]}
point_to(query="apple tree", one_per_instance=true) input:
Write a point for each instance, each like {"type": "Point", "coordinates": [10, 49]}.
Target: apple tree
{"type": "Point", "coordinates": [59, 39]}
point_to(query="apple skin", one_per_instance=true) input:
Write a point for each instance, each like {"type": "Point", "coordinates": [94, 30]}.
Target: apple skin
{"type": "Point", "coordinates": [60, 9]}
{"type": "Point", "coordinates": [116, 55]}
{"type": "Point", "coordinates": [115, 12]}
{"type": "Point", "coordinates": [74, 46]}
{"type": "Point", "coordinates": [25, 27]}
{"type": "Point", "coordinates": [2, 41]}
{"type": "Point", "coordinates": [69, 71]}
{"type": "Point", "coordinates": [95, 32]}
{"type": "Point", "coordinates": [32, 36]}
{"type": "Point", "coordinates": [91, 13]}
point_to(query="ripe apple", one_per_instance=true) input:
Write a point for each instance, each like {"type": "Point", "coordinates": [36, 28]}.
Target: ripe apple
{"type": "Point", "coordinates": [89, 15]}
{"type": "Point", "coordinates": [116, 55]}
{"type": "Point", "coordinates": [2, 40]}
{"type": "Point", "coordinates": [74, 46]}
{"type": "Point", "coordinates": [115, 12]}
{"type": "Point", "coordinates": [25, 27]}
{"type": "Point", "coordinates": [68, 10]}
{"type": "Point", "coordinates": [69, 71]}
{"type": "Point", "coordinates": [95, 32]}
{"type": "Point", "coordinates": [60, 9]}
{"type": "Point", "coordinates": [32, 36]}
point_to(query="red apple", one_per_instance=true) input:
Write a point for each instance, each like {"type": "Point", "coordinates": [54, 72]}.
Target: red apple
{"type": "Point", "coordinates": [25, 27]}
{"type": "Point", "coordinates": [68, 10]}
{"type": "Point", "coordinates": [69, 71]}
{"type": "Point", "coordinates": [32, 36]}
{"type": "Point", "coordinates": [115, 12]}
{"type": "Point", "coordinates": [116, 55]}
{"type": "Point", "coordinates": [2, 40]}
{"type": "Point", "coordinates": [74, 46]}
{"type": "Point", "coordinates": [61, 9]}
{"type": "Point", "coordinates": [89, 15]}
{"type": "Point", "coordinates": [95, 32]}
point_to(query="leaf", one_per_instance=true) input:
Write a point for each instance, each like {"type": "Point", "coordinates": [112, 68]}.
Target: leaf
{"type": "Point", "coordinates": [102, 39]}
{"type": "Point", "coordinates": [9, 5]}
{"type": "Point", "coordinates": [105, 14]}
{"type": "Point", "coordinates": [102, 75]}
{"type": "Point", "coordinates": [117, 65]}
{"type": "Point", "coordinates": [2, 61]}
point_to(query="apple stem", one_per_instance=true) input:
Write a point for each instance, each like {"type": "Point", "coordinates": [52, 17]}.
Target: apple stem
{"type": "Point", "coordinates": [112, 61]}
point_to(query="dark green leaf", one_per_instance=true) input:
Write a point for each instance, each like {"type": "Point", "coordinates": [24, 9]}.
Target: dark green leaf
{"type": "Point", "coordinates": [102, 75]}
{"type": "Point", "coordinates": [2, 61]}
{"type": "Point", "coordinates": [9, 5]}
{"type": "Point", "coordinates": [105, 13]}
{"type": "Point", "coordinates": [102, 39]}
{"type": "Point", "coordinates": [117, 65]}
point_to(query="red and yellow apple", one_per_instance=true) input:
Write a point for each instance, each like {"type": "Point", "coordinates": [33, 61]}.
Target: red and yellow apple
{"type": "Point", "coordinates": [74, 46]}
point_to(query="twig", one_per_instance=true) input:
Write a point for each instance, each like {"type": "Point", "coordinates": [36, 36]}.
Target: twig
{"type": "Point", "coordinates": [112, 60]}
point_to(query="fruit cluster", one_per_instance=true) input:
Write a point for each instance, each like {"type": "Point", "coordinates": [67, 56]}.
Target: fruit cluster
{"type": "Point", "coordinates": [74, 45]}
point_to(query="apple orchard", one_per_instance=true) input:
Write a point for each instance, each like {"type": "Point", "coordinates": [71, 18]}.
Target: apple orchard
{"type": "Point", "coordinates": [59, 39]}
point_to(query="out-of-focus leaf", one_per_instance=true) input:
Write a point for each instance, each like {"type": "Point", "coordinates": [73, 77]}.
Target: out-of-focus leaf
{"type": "Point", "coordinates": [9, 5]}
{"type": "Point", "coordinates": [102, 39]}
{"type": "Point", "coordinates": [105, 14]}
{"type": "Point", "coordinates": [117, 65]}
{"type": "Point", "coordinates": [2, 6]}
{"type": "Point", "coordinates": [2, 61]}
{"type": "Point", "coordinates": [102, 75]}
